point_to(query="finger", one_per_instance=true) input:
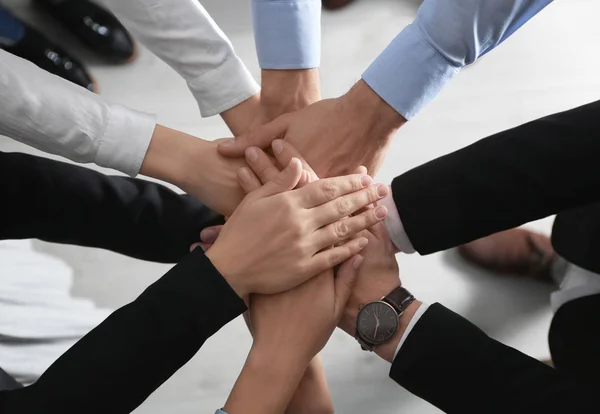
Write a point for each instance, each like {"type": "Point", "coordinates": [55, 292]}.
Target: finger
{"type": "Point", "coordinates": [248, 180]}
{"type": "Point", "coordinates": [344, 283]}
{"type": "Point", "coordinates": [284, 181]}
{"type": "Point", "coordinates": [362, 170]}
{"type": "Point", "coordinates": [346, 205]}
{"type": "Point", "coordinates": [329, 258]}
{"type": "Point", "coordinates": [261, 165]}
{"type": "Point", "coordinates": [210, 234]}
{"type": "Point", "coordinates": [260, 137]}
{"type": "Point", "coordinates": [327, 189]}
{"type": "Point", "coordinates": [346, 228]}
{"type": "Point", "coordinates": [284, 152]}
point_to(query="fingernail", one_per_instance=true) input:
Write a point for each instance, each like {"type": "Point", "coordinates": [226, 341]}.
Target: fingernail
{"type": "Point", "coordinates": [208, 235]}
{"type": "Point", "coordinates": [277, 146]}
{"type": "Point", "coordinates": [366, 180]}
{"type": "Point", "coordinates": [227, 142]}
{"type": "Point", "coordinates": [357, 262]}
{"type": "Point", "coordinates": [251, 154]}
{"type": "Point", "coordinates": [382, 190]}
{"type": "Point", "coordinates": [363, 242]}
{"type": "Point", "coordinates": [380, 212]}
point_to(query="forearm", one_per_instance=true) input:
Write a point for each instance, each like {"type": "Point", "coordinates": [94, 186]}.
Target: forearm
{"type": "Point", "coordinates": [445, 36]}
{"type": "Point", "coordinates": [204, 56]}
{"type": "Point", "coordinates": [453, 365]}
{"type": "Point", "coordinates": [312, 395]}
{"type": "Point", "coordinates": [65, 203]}
{"type": "Point", "coordinates": [266, 384]}
{"type": "Point", "coordinates": [56, 116]}
{"type": "Point", "coordinates": [513, 174]}
{"type": "Point", "coordinates": [120, 363]}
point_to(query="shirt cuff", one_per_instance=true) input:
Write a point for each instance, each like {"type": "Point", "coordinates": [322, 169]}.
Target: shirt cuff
{"type": "Point", "coordinates": [287, 33]}
{"type": "Point", "coordinates": [394, 226]}
{"type": "Point", "coordinates": [223, 88]}
{"type": "Point", "coordinates": [577, 283]}
{"type": "Point", "coordinates": [125, 140]}
{"type": "Point", "coordinates": [409, 73]}
{"type": "Point", "coordinates": [422, 309]}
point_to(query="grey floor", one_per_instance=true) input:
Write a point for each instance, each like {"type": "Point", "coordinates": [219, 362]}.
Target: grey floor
{"type": "Point", "coordinates": [550, 65]}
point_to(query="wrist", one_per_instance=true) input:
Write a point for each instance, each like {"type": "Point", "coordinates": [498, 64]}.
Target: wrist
{"type": "Point", "coordinates": [239, 118]}
{"type": "Point", "coordinates": [286, 91]}
{"type": "Point", "coordinates": [388, 350]}
{"type": "Point", "coordinates": [168, 154]}
{"type": "Point", "coordinates": [364, 108]}
{"type": "Point", "coordinates": [266, 384]}
{"type": "Point", "coordinates": [221, 262]}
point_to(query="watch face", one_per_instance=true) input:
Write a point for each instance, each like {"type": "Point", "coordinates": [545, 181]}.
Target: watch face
{"type": "Point", "coordinates": [377, 322]}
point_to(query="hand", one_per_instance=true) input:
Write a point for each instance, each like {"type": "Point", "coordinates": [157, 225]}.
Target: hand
{"type": "Point", "coordinates": [195, 166]}
{"type": "Point", "coordinates": [289, 329]}
{"type": "Point", "coordinates": [274, 241]}
{"type": "Point", "coordinates": [333, 135]}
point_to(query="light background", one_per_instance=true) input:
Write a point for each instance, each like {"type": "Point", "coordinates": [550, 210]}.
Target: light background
{"type": "Point", "coordinates": [549, 65]}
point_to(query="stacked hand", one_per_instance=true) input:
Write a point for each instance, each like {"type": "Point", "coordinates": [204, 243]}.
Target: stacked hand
{"type": "Point", "coordinates": [333, 135]}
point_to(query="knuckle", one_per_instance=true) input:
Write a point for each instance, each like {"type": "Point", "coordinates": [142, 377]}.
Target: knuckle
{"type": "Point", "coordinates": [341, 229]}
{"type": "Point", "coordinates": [343, 206]}
{"type": "Point", "coordinates": [329, 189]}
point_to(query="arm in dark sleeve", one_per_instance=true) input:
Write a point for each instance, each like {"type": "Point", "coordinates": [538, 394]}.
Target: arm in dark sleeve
{"type": "Point", "coordinates": [63, 203]}
{"type": "Point", "coordinates": [452, 364]}
{"type": "Point", "coordinates": [115, 367]}
{"type": "Point", "coordinates": [519, 175]}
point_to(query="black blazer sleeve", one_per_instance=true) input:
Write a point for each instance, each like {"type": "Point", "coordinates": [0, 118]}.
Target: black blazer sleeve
{"type": "Point", "coordinates": [64, 203]}
{"type": "Point", "coordinates": [523, 174]}
{"type": "Point", "coordinates": [115, 367]}
{"type": "Point", "coordinates": [452, 364]}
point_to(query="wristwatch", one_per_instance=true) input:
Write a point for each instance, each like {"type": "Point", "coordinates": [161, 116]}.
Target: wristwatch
{"type": "Point", "coordinates": [378, 321]}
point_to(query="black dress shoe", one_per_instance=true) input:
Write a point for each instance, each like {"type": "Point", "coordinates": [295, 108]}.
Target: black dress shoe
{"type": "Point", "coordinates": [36, 48]}
{"type": "Point", "coordinates": [335, 4]}
{"type": "Point", "coordinates": [98, 28]}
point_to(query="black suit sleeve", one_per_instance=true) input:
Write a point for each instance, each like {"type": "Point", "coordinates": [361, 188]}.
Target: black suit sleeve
{"type": "Point", "coordinates": [523, 174]}
{"type": "Point", "coordinates": [115, 367]}
{"type": "Point", "coordinates": [574, 340]}
{"type": "Point", "coordinates": [452, 364]}
{"type": "Point", "coordinates": [63, 203]}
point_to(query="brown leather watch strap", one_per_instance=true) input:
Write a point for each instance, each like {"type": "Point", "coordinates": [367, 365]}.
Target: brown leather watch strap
{"type": "Point", "coordinates": [399, 298]}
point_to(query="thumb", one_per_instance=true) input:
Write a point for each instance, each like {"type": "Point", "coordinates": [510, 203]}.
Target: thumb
{"type": "Point", "coordinates": [286, 180]}
{"type": "Point", "coordinates": [345, 281]}
{"type": "Point", "coordinates": [261, 137]}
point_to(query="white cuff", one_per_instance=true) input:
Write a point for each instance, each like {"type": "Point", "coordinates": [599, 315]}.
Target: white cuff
{"type": "Point", "coordinates": [394, 226]}
{"type": "Point", "coordinates": [577, 283]}
{"type": "Point", "coordinates": [422, 309]}
{"type": "Point", "coordinates": [125, 141]}
{"type": "Point", "coordinates": [224, 87]}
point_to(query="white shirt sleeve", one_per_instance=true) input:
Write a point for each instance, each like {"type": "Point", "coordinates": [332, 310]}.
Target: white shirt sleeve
{"type": "Point", "coordinates": [182, 34]}
{"type": "Point", "coordinates": [56, 116]}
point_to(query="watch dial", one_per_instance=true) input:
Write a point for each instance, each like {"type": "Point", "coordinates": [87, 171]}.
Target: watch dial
{"type": "Point", "coordinates": [377, 322]}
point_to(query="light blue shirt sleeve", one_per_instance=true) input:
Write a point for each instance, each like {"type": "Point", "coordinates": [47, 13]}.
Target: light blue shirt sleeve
{"type": "Point", "coordinates": [287, 33]}
{"type": "Point", "coordinates": [445, 36]}
{"type": "Point", "coordinates": [220, 412]}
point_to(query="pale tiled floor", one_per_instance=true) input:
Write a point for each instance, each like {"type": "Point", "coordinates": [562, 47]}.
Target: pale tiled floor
{"type": "Point", "coordinates": [550, 65]}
